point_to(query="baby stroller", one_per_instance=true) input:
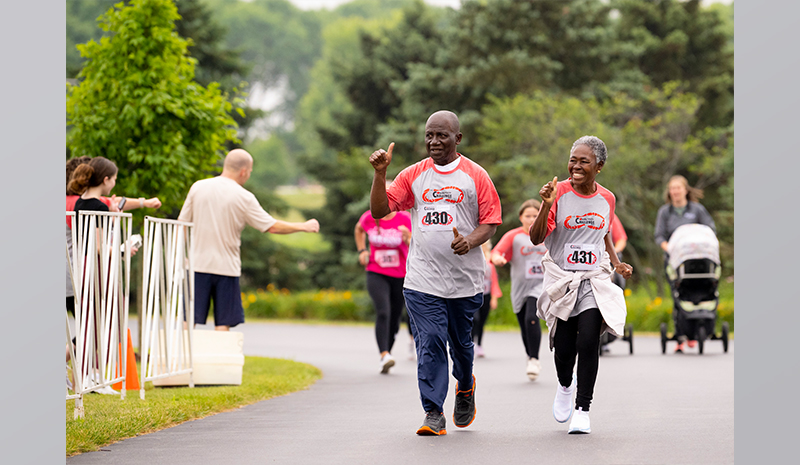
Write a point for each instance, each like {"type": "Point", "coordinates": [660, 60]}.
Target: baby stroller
{"type": "Point", "coordinates": [693, 270]}
{"type": "Point", "coordinates": [627, 336]}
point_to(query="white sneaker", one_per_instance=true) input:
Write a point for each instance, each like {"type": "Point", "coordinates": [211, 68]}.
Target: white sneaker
{"type": "Point", "coordinates": [479, 353]}
{"type": "Point", "coordinates": [387, 361]}
{"type": "Point", "coordinates": [534, 367]}
{"type": "Point", "coordinates": [412, 350]}
{"type": "Point", "coordinates": [580, 423]}
{"type": "Point", "coordinates": [563, 404]}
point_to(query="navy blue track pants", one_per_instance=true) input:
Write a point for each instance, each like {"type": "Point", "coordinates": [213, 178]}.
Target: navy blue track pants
{"type": "Point", "coordinates": [437, 321]}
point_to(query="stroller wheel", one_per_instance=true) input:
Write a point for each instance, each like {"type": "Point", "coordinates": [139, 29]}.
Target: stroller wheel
{"type": "Point", "coordinates": [663, 338]}
{"type": "Point", "coordinates": [701, 338]}
{"type": "Point", "coordinates": [630, 338]}
{"type": "Point", "coordinates": [725, 330]}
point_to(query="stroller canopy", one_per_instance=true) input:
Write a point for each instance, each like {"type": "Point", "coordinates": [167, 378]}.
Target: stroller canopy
{"type": "Point", "coordinates": [692, 241]}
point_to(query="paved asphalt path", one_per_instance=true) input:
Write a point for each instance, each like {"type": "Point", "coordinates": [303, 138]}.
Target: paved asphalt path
{"type": "Point", "coordinates": [648, 408]}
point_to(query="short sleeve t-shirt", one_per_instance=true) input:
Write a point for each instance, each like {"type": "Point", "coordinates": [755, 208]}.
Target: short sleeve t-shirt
{"type": "Point", "coordinates": [617, 230]}
{"type": "Point", "coordinates": [220, 208]}
{"type": "Point", "coordinates": [525, 258]}
{"type": "Point", "coordinates": [576, 229]}
{"type": "Point", "coordinates": [387, 251]}
{"type": "Point", "coordinates": [463, 197]}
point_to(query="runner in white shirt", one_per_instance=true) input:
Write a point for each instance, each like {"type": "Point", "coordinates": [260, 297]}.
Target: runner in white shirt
{"type": "Point", "coordinates": [573, 223]}
{"type": "Point", "coordinates": [454, 209]}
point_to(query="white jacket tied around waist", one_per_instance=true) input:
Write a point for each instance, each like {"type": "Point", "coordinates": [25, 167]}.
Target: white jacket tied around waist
{"type": "Point", "coordinates": [561, 291]}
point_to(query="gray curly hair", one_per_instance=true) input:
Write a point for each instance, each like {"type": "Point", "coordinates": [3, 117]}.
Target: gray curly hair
{"type": "Point", "coordinates": [598, 147]}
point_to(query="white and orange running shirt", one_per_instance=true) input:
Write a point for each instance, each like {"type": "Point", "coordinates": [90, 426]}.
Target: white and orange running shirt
{"type": "Point", "coordinates": [459, 195]}
{"type": "Point", "coordinates": [526, 265]}
{"type": "Point", "coordinates": [576, 227]}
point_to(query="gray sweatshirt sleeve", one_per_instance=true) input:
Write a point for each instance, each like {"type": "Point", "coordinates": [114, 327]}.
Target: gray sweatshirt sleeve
{"type": "Point", "coordinates": [661, 225]}
{"type": "Point", "coordinates": [703, 217]}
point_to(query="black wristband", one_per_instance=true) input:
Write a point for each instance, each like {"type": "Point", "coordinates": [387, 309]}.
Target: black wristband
{"type": "Point", "coordinates": [363, 250]}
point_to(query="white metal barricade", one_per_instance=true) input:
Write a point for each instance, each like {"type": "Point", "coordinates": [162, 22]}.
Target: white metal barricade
{"type": "Point", "coordinates": [167, 300]}
{"type": "Point", "coordinates": [100, 275]}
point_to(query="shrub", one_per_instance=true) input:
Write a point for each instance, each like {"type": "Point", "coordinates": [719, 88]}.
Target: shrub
{"type": "Point", "coordinates": [644, 313]}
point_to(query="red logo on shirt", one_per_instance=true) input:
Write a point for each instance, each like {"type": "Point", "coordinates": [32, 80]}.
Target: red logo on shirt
{"type": "Point", "coordinates": [590, 220]}
{"type": "Point", "coordinates": [530, 250]}
{"type": "Point", "coordinates": [450, 194]}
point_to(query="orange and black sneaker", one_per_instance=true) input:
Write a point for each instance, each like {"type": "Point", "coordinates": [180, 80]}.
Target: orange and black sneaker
{"type": "Point", "coordinates": [464, 413]}
{"type": "Point", "coordinates": [434, 425]}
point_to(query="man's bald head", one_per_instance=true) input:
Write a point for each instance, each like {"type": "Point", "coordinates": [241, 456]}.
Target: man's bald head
{"type": "Point", "coordinates": [238, 165]}
{"type": "Point", "coordinates": [447, 117]}
{"type": "Point", "coordinates": [237, 159]}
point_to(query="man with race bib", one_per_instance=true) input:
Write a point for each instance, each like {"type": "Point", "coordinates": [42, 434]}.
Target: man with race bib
{"type": "Point", "coordinates": [579, 301]}
{"type": "Point", "coordinates": [454, 209]}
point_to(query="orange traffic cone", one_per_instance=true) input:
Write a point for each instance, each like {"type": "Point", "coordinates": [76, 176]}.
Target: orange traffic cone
{"type": "Point", "coordinates": [131, 374]}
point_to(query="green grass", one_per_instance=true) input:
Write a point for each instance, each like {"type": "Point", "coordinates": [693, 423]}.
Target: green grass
{"type": "Point", "coordinates": [303, 198]}
{"type": "Point", "coordinates": [109, 419]}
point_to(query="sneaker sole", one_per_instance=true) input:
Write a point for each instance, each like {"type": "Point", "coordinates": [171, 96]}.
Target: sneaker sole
{"type": "Point", "coordinates": [386, 367]}
{"type": "Point", "coordinates": [532, 376]}
{"type": "Point", "coordinates": [426, 431]}
{"type": "Point", "coordinates": [580, 431]}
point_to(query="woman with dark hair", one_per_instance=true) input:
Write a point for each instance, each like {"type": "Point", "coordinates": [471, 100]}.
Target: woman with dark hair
{"type": "Point", "coordinates": [93, 180]}
{"type": "Point", "coordinates": [579, 301]}
{"type": "Point", "coordinates": [526, 280]}
{"type": "Point", "coordinates": [112, 203]}
{"type": "Point", "coordinates": [680, 207]}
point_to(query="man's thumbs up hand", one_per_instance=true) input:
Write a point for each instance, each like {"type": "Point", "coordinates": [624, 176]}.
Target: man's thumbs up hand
{"type": "Point", "coordinates": [460, 245]}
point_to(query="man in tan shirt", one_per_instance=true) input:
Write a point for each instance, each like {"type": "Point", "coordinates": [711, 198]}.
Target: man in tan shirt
{"type": "Point", "coordinates": [220, 208]}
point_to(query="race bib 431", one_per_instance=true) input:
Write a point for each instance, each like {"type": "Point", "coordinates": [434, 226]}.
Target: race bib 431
{"type": "Point", "coordinates": [580, 257]}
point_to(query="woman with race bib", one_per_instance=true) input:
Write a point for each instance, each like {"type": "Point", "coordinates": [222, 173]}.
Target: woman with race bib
{"type": "Point", "coordinates": [515, 247]}
{"type": "Point", "coordinates": [579, 301]}
{"type": "Point", "coordinates": [385, 261]}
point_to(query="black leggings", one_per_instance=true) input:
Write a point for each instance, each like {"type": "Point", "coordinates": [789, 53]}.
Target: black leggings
{"type": "Point", "coordinates": [387, 295]}
{"type": "Point", "coordinates": [529, 327]}
{"type": "Point", "coordinates": [579, 335]}
{"type": "Point", "coordinates": [479, 319]}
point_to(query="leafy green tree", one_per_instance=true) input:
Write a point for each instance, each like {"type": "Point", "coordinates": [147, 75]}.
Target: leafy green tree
{"type": "Point", "coordinates": [216, 61]}
{"type": "Point", "coordinates": [82, 18]}
{"type": "Point", "coordinates": [671, 40]}
{"type": "Point", "coordinates": [138, 105]}
{"type": "Point", "coordinates": [279, 41]}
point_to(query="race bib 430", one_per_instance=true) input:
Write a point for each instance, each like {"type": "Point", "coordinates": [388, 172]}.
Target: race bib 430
{"type": "Point", "coordinates": [437, 217]}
